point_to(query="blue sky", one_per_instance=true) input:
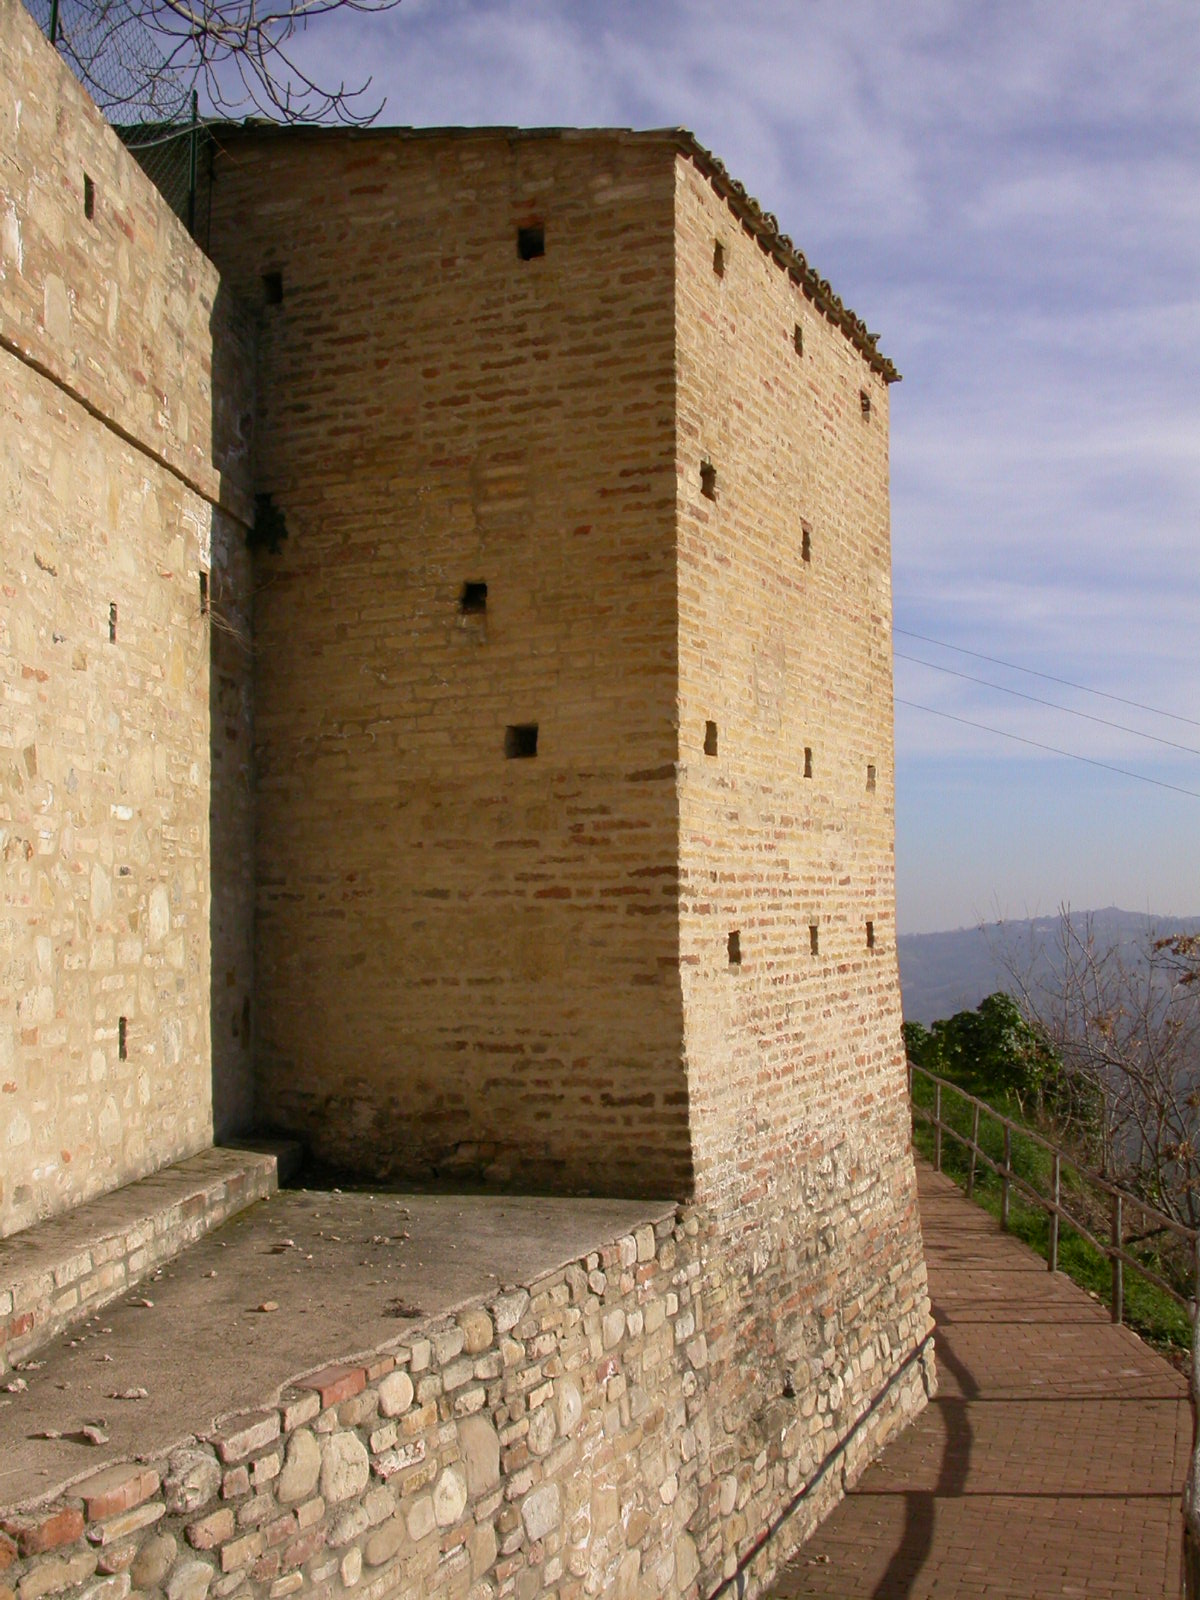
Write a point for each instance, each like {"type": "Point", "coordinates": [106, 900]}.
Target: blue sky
{"type": "Point", "coordinates": [1010, 193]}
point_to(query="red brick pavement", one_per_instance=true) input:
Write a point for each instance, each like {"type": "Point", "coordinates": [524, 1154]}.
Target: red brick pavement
{"type": "Point", "coordinates": [1051, 1462]}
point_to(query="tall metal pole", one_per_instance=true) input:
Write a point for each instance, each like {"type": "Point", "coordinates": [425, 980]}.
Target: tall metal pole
{"type": "Point", "coordinates": [54, 22]}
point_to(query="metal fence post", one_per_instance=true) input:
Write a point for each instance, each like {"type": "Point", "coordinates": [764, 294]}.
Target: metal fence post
{"type": "Point", "coordinates": [1052, 1258]}
{"type": "Point", "coordinates": [937, 1127]}
{"type": "Point", "coordinates": [974, 1150]}
{"type": "Point", "coordinates": [54, 22]}
{"type": "Point", "coordinates": [1006, 1186]}
{"type": "Point", "coordinates": [1118, 1266]}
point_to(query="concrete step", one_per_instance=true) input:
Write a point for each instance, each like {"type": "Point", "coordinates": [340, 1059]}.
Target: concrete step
{"type": "Point", "coordinates": [59, 1272]}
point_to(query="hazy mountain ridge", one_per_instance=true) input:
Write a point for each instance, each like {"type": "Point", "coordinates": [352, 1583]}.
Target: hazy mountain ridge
{"type": "Point", "coordinates": [941, 973]}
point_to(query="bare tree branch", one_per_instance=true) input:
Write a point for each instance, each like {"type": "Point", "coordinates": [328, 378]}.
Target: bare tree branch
{"type": "Point", "coordinates": [1126, 1024]}
{"type": "Point", "coordinates": [143, 58]}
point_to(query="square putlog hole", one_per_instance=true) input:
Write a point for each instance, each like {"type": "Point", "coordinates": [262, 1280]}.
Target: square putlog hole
{"type": "Point", "coordinates": [814, 939]}
{"type": "Point", "coordinates": [531, 241]}
{"type": "Point", "coordinates": [520, 741]}
{"type": "Point", "coordinates": [710, 738]}
{"type": "Point", "coordinates": [735, 949]}
{"type": "Point", "coordinates": [472, 602]}
{"type": "Point", "coordinates": [708, 480]}
{"type": "Point", "coordinates": [272, 288]}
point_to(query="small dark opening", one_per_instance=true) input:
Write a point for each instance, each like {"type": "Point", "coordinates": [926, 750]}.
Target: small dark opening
{"type": "Point", "coordinates": [710, 738]}
{"type": "Point", "coordinates": [808, 761]}
{"type": "Point", "coordinates": [708, 480]}
{"type": "Point", "coordinates": [122, 1040]}
{"type": "Point", "coordinates": [814, 939]}
{"type": "Point", "coordinates": [246, 1019]}
{"type": "Point", "coordinates": [531, 241]}
{"type": "Point", "coordinates": [520, 741]}
{"type": "Point", "coordinates": [870, 936]}
{"type": "Point", "coordinates": [870, 779]}
{"type": "Point", "coordinates": [473, 599]}
{"type": "Point", "coordinates": [805, 542]}
{"type": "Point", "coordinates": [798, 339]}
{"type": "Point", "coordinates": [89, 197]}
{"type": "Point", "coordinates": [864, 400]}
{"type": "Point", "coordinates": [718, 258]}
{"type": "Point", "coordinates": [204, 594]}
{"type": "Point", "coordinates": [272, 283]}
{"type": "Point", "coordinates": [112, 622]}
{"type": "Point", "coordinates": [735, 949]}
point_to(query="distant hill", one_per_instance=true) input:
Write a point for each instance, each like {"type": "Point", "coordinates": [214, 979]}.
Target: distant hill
{"type": "Point", "coordinates": [941, 973]}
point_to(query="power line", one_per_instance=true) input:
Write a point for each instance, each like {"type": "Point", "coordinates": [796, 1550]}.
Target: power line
{"type": "Point", "coordinates": [1053, 704]}
{"type": "Point", "coordinates": [1034, 673]}
{"type": "Point", "coordinates": [1052, 748]}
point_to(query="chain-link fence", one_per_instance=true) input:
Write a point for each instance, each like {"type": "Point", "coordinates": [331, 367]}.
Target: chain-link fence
{"type": "Point", "coordinates": [150, 103]}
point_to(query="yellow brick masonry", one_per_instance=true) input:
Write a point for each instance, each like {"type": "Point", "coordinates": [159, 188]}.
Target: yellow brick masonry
{"type": "Point", "coordinates": [467, 963]}
{"type": "Point", "coordinates": [500, 967]}
{"type": "Point", "coordinates": [107, 482]}
{"type": "Point", "coordinates": [794, 1056]}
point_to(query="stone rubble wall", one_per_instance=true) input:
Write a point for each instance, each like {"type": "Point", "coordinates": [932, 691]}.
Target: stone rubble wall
{"type": "Point", "coordinates": [568, 1438]}
{"type": "Point", "coordinates": [124, 702]}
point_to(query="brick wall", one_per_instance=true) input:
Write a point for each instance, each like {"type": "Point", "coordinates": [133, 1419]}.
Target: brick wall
{"type": "Point", "coordinates": [467, 963]}
{"type": "Point", "coordinates": [109, 484]}
{"type": "Point", "coordinates": [792, 1031]}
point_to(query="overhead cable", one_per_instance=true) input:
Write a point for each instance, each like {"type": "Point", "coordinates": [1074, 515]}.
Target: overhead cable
{"type": "Point", "coordinates": [1033, 672]}
{"type": "Point", "coordinates": [1053, 704]}
{"type": "Point", "coordinates": [1054, 749]}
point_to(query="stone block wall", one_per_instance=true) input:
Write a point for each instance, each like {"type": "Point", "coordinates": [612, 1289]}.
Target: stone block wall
{"type": "Point", "coordinates": [568, 1437]}
{"type": "Point", "coordinates": [122, 484]}
{"type": "Point", "coordinates": [467, 958]}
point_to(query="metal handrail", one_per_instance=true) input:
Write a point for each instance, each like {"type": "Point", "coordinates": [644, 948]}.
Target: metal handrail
{"type": "Point", "coordinates": [1113, 1250]}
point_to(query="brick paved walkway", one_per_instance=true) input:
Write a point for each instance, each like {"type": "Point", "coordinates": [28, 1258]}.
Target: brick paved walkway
{"type": "Point", "coordinates": [1051, 1462]}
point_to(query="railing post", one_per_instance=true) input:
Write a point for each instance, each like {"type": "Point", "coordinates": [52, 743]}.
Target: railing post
{"type": "Point", "coordinates": [1118, 1266]}
{"type": "Point", "coordinates": [54, 22]}
{"type": "Point", "coordinates": [1006, 1185]}
{"type": "Point", "coordinates": [1191, 1488]}
{"type": "Point", "coordinates": [974, 1148]}
{"type": "Point", "coordinates": [1052, 1258]}
{"type": "Point", "coordinates": [937, 1127]}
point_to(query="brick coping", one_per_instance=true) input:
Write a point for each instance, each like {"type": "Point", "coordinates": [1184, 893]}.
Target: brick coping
{"type": "Point", "coordinates": [58, 1272]}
